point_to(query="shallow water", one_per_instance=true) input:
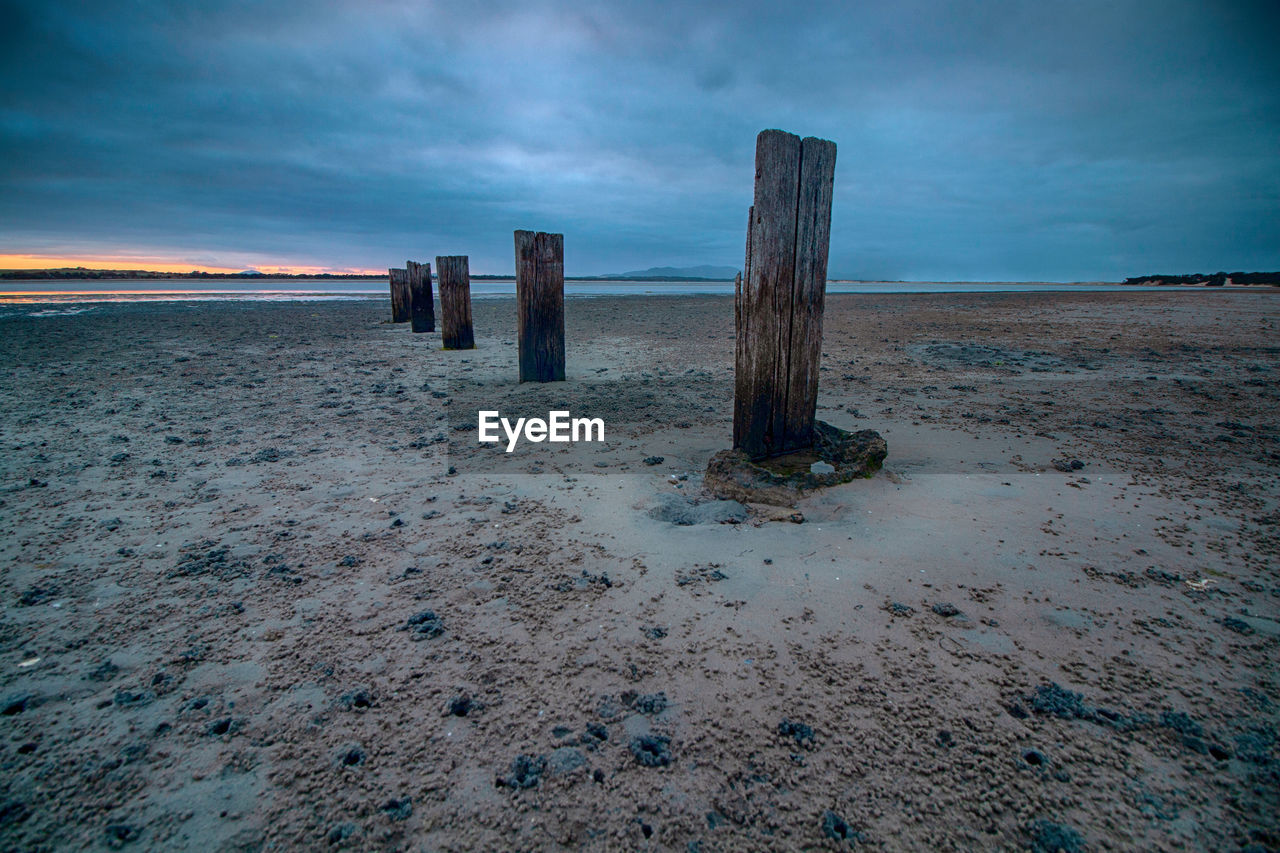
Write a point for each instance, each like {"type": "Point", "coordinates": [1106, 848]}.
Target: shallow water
{"type": "Point", "coordinates": [171, 290]}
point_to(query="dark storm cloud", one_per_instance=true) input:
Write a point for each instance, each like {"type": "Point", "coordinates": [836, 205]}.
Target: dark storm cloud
{"type": "Point", "coordinates": [992, 140]}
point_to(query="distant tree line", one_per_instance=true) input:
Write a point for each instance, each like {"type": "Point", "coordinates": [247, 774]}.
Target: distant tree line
{"type": "Point", "coordinates": [1217, 279]}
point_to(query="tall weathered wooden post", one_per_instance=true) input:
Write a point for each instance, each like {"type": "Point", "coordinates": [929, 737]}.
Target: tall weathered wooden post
{"type": "Point", "coordinates": [454, 274]}
{"type": "Point", "coordinates": [422, 304]}
{"type": "Point", "coordinates": [421, 310]}
{"type": "Point", "coordinates": [780, 295]}
{"type": "Point", "coordinates": [540, 305]}
{"type": "Point", "coordinates": [778, 310]}
{"type": "Point", "coordinates": [399, 295]}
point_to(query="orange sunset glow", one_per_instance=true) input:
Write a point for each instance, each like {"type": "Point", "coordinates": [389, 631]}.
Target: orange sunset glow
{"type": "Point", "coordinates": [161, 264]}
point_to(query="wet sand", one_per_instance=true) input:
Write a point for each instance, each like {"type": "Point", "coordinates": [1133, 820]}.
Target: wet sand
{"type": "Point", "coordinates": [262, 589]}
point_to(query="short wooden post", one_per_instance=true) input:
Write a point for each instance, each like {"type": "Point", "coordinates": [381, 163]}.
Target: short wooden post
{"type": "Point", "coordinates": [399, 295]}
{"type": "Point", "coordinates": [422, 301]}
{"type": "Point", "coordinates": [540, 305]}
{"type": "Point", "coordinates": [422, 311]}
{"type": "Point", "coordinates": [779, 301]}
{"type": "Point", "coordinates": [454, 274]}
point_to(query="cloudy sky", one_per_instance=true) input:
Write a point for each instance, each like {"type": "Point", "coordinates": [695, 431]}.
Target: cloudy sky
{"type": "Point", "coordinates": [993, 140]}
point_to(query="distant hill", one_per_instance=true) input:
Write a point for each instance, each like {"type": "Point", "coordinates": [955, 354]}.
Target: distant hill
{"type": "Point", "coordinates": [703, 271]}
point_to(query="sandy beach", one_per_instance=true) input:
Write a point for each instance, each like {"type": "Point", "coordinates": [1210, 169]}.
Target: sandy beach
{"type": "Point", "coordinates": [262, 588]}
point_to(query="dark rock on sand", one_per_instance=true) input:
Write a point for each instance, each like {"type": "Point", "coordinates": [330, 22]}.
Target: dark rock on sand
{"type": "Point", "coordinates": [647, 703]}
{"type": "Point", "coordinates": [1034, 758]}
{"type": "Point", "coordinates": [119, 834]}
{"type": "Point", "coordinates": [700, 574]}
{"type": "Point", "coordinates": [341, 833]}
{"type": "Point", "coordinates": [651, 750]}
{"type": "Point", "coordinates": [200, 558]}
{"type": "Point", "coordinates": [601, 579]}
{"type": "Point", "coordinates": [1256, 698]}
{"type": "Point", "coordinates": [398, 810]}
{"type": "Point", "coordinates": [1050, 837]}
{"type": "Point", "coordinates": [946, 610]}
{"type": "Point", "coordinates": [838, 829]}
{"type": "Point", "coordinates": [609, 708]}
{"type": "Point", "coordinates": [461, 705]}
{"type": "Point", "coordinates": [223, 727]}
{"type": "Point", "coordinates": [595, 735]}
{"type": "Point", "coordinates": [1239, 626]}
{"type": "Point", "coordinates": [1181, 722]}
{"type": "Point", "coordinates": [799, 732]}
{"type": "Point", "coordinates": [16, 703]}
{"type": "Point", "coordinates": [13, 812]}
{"type": "Point", "coordinates": [654, 460]}
{"type": "Point", "coordinates": [677, 509]}
{"type": "Point", "coordinates": [897, 608]}
{"type": "Point", "coordinates": [1255, 746]}
{"type": "Point", "coordinates": [1057, 701]}
{"type": "Point", "coordinates": [1162, 577]}
{"type": "Point", "coordinates": [654, 632]}
{"type": "Point", "coordinates": [133, 699]}
{"type": "Point", "coordinates": [526, 771]}
{"type": "Point", "coordinates": [351, 756]}
{"type": "Point", "coordinates": [852, 455]}
{"type": "Point", "coordinates": [37, 595]}
{"type": "Point", "coordinates": [424, 625]}
{"type": "Point", "coordinates": [356, 700]}
{"type": "Point", "coordinates": [565, 760]}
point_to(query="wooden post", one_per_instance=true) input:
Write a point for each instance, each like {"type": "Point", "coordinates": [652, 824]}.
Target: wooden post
{"type": "Point", "coordinates": [540, 305]}
{"type": "Point", "coordinates": [778, 304]}
{"type": "Point", "coordinates": [422, 311]}
{"type": "Point", "coordinates": [422, 301]}
{"type": "Point", "coordinates": [455, 302]}
{"type": "Point", "coordinates": [399, 295]}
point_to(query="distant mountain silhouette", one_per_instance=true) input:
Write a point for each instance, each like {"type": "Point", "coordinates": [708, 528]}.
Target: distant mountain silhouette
{"type": "Point", "coordinates": [702, 271]}
{"type": "Point", "coordinates": [251, 272]}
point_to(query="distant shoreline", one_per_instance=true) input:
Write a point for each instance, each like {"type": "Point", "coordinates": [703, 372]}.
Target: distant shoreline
{"type": "Point", "coordinates": [14, 295]}
{"type": "Point", "coordinates": [148, 275]}
{"type": "Point", "coordinates": [88, 275]}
